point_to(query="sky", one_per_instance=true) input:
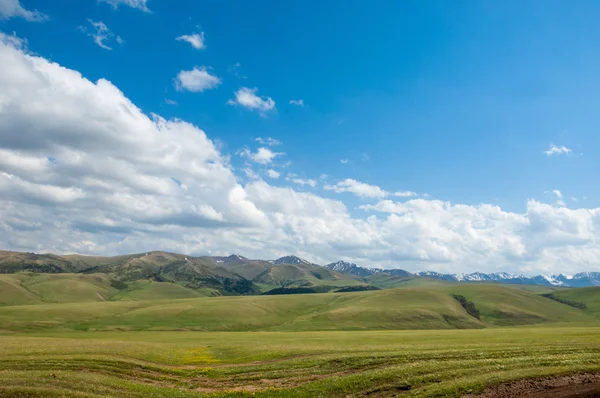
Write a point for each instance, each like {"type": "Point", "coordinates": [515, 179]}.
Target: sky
{"type": "Point", "coordinates": [445, 136]}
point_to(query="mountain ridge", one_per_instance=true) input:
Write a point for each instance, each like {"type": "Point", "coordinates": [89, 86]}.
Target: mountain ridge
{"type": "Point", "coordinates": [213, 270]}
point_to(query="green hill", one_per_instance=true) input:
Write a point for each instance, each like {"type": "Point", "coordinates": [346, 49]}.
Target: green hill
{"type": "Point", "coordinates": [191, 272]}
{"type": "Point", "coordinates": [406, 308]}
{"type": "Point", "coordinates": [152, 290]}
{"type": "Point", "coordinates": [33, 288]}
{"type": "Point", "coordinates": [589, 296]}
{"type": "Point", "coordinates": [506, 306]}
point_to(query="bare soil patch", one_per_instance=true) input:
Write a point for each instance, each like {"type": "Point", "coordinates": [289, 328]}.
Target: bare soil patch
{"type": "Point", "coordinates": [585, 385]}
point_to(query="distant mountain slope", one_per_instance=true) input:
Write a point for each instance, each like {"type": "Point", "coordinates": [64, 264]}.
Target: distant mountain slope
{"type": "Point", "coordinates": [279, 273]}
{"type": "Point", "coordinates": [290, 260]}
{"type": "Point", "coordinates": [578, 280]}
{"type": "Point", "coordinates": [191, 272]}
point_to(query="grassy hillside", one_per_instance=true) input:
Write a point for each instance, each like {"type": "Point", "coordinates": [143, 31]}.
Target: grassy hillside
{"type": "Point", "coordinates": [152, 290]}
{"type": "Point", "coordinates": [386, 281]}
{"type": "Point", "coordinates": [32, 288]}
{"type": "Point", "coordinates": [407, 308]}
{"type": "Point", "coordinates": [590, 296]}
{"type": "Point", "coordinates": [504, 306]}
{"type": "Point", "coordinates": [13, 293]}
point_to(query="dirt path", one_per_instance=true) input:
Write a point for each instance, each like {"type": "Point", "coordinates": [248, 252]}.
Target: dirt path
{"type": "Point", "coordinates": [585, 385]}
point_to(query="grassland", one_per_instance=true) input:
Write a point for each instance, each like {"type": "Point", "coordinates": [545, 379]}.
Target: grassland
{"type": "Point", "coordinates": [443, 363]}
{"type": "Point", "coordinates": [589, 296]}
{"type": "Point", "coordinates": [142, 343]}
{"type": "Point", "coordinates": [406, 308]}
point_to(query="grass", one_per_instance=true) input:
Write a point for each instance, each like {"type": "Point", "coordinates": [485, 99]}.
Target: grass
{"type": "Point", "coordinates": [590, 296]}
{"type": "Point", "coordinates": [313, 345]}
{"type": "Point", "coordinates": [406, 308]}
{"type": "Point", "coordinates": [442, 363]}
{"type": "Point", "coordinates": [34, 288]}
{"type": "Point", "coordinates": [151, 290]}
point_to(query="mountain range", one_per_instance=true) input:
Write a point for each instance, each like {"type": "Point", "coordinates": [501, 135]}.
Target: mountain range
{"type": "Point", "coordinates": [236, 274]}
{"type": "Point", "coordinates": [582, 279]}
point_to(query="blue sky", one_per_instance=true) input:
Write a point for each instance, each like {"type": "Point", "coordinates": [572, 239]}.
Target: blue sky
{"type": "Point", "coordinates": [454, 101]}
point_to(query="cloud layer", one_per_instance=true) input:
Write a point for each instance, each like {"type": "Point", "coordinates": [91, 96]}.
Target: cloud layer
{"type": "Point", "coordinates": [89, 172]}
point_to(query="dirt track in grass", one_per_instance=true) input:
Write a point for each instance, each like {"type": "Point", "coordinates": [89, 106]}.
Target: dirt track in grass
{"type": "Point", "coordinates": [585, 385]}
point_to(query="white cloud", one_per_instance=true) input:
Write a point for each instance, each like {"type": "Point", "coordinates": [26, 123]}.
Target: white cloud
{"type": "Point", "coordinates": [358, 188]}
{"type": "Point", "coordinates": [364, 190]}
{"type": "Point", "coordinates": [559, 198]}
{"type": "Point", "coordinates": [247, 98]}
{"type": "Point", "coordinates": [13, 8]}
{"type": "Point", "coordinates": [299, 102]}
{"type": "Point", "coordinates": [89, 172]}
{"type": "Point", "coordinates": [101, 34]}
{"type": "Point", "coordinates": [262, 155]}
{"type": "Point", "coordinates": [405, 194]}
{"type": "Point", "coordinates": [301, 181]}
{"type": "Point", "coordinates": [344, 161]}
{"type": "Point", "coordinates": [251, 173]}
{"type": "Point", "coordinates": [196, 80]}
{"type": "Point", "coordinates": [196, 40]}
{"type": "Point", "coordinates": [557, 150]}
{"type": "Point", "coordinates": [139, 4]}
{"type": "Point", "coordinates": [170, 101]}
{"type": "Point", "coordinates": [268, 141]}
{"type": "Point", "coordinates": [273, 174]}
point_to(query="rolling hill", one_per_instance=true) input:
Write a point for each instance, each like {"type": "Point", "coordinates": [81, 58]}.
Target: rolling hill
{"type": "Point", "coordinates": [406, 308]}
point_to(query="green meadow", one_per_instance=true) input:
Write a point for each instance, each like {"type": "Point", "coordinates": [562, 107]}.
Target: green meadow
{"type": "Point", "coordinates": [59, 339]}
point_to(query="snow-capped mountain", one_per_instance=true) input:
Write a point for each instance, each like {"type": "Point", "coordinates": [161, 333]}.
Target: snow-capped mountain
{"type": "Point", "coordinates": [290, 260]}
{"type": "Point", "coordinates": [578, 280]}
{"type": "Point", "coordinates": [350, 268]}
{"type": "Point", "coordinates": [229, 259]}
{"type": "Point", "coordinates": [582, 279]}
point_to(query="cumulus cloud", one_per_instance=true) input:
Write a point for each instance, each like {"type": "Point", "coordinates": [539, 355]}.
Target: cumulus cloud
{"type": "Point", "coordinates": [262, 155]}
{"type": "Point", "coordinates": [13, 8]}
{"type": "Point", "coordinates": [358, 188]}
{"type": "Point", "coordinates": [273, 174]}
{"type": "Point", "coordinates": [100, 33]}
{"type": "Point", "coordinates": [299, 102]}
{"type": "Point", "coordinates": [247, 98]}
{"type": "Point", "coordinates": [90, 173]}
{"type": "Point", "coordinates": [557, 150]}
{"type": "Point", "coordinates": [196, 80]}
{"type": "Point", "coordinates": [196, 40]}
{"type": "Point", "coordinates": [344, 161]}
{"type": "Point", "coordinates": [139, 4]}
